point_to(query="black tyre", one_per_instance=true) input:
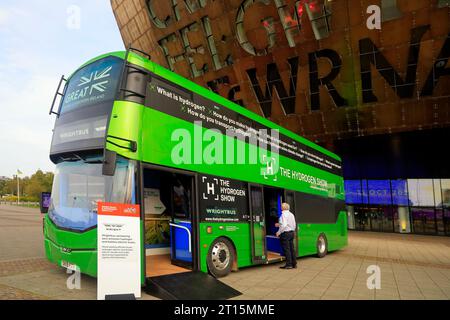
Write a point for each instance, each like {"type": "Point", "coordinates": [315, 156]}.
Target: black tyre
{"type": "Point", "coordinates": [322, 246]}
{"type": "Point", "coordinates": [220, 257]}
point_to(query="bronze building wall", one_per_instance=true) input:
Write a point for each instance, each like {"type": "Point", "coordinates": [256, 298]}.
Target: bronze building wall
{"type": "Point", "coordinates": [311, 66]}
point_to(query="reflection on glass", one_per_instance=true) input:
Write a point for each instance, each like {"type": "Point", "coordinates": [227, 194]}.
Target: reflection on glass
{"type": "Point", "coordinates": [399, 192]}
{"type": "Point", "coordinates": [388, 218]}
{"type": "Point", "coordinates": [181, 198]}
{"type": "Point", "coordinates": [361, 220]}
{"type": "Point", "coordinates": [351, 217]}
{"type": "Point", "coordinates": [446, 221]}
{"type": "Point", "coordinates": [376, 219]}
{"type": "Point", "coordinates": [365, 192]}
{"type": "Point", "coordinates": [437, 192]}
{"type": "Point", "coordinates": [353, 191]}
{"type": "Point", "coordinates": [445, 185]}
{"type": "Point", "coordinates": [423, 220]}
{"type": "Point", "coordinates": [421, 192]}
{"type": "Point", "coordinates": [403, 222]}
{"type": "Point", "coordinates": [291, 201]}
{"type": "Point", "coordinates": [404, 206]}
{"type": "Point", "coordinates": [379, 191]}
{"type": "Point", "coordinates": [79, 185]}
{"type": "Point", "coordinates": [440, 222]}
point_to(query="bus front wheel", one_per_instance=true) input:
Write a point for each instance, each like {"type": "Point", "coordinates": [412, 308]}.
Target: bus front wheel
{"type": "Point", "coordinates": [220, 257]}
{"type": "Point", "coordinates": [322, 246]}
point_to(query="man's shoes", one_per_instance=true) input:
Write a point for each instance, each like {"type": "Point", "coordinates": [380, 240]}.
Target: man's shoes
{"type": "Point", "coordinates": [286, 267]}
{"type": "Point", "coordinates": [295, 267]}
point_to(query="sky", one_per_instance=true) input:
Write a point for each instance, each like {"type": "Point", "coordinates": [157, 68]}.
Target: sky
{"type": "Point", "coordinates": [40, 40]}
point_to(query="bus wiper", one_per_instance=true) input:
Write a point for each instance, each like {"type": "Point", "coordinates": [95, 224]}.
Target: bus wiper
{"type": "Point", "coordinates": [72, 159]}
{"type": "Point", "coordinates": [77, 157]}
{"type": "Point", "coordinates": [93, 161]}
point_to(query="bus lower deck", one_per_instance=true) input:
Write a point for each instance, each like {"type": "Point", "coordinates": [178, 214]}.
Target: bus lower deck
{"type": "Point", "coordinates": [129, 131]}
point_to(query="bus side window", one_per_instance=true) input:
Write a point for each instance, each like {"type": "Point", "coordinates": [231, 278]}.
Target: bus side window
{"type": "Point", "coordinates": [290, 199]}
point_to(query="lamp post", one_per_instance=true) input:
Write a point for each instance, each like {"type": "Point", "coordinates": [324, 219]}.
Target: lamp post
{"type": "Point", "coordinates": [18, 186]}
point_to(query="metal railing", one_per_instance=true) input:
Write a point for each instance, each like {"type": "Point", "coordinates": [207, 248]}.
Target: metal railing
{"type": "Point", "coordinates": [187, 230]}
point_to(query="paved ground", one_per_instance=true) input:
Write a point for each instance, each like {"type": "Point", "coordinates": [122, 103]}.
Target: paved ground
{"type": "Point", "coordinates": [21, 227]}
{"type": "Point", "coordinates": [412, 267]}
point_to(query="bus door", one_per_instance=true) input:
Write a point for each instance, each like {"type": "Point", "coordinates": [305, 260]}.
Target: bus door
{"type": "Point", "coordinates": [257, 224]}
{"type": "Point", "coordinates": [289, 197]}
{"type": "Point", "coordinates": [181, 236]}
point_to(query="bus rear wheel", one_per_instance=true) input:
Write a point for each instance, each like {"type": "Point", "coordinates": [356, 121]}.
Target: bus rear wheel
{"type": "Point", "coordinates": [220, 257]}
{"type": "Point", "coordinates": [322, 246]}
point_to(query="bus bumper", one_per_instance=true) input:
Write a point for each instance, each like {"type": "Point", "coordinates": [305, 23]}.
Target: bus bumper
{"type": "Point", "coordinates": [85, 261]}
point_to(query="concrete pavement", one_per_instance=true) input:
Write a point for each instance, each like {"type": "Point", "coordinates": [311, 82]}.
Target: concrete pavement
{"type": "Point", "coordinates": [412, 267]}
{"type": "Point", "coordinates": [20, 233]}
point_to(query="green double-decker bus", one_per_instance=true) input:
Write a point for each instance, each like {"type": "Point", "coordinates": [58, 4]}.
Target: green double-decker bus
{"type": "Point", "coordinates": [209, 175]}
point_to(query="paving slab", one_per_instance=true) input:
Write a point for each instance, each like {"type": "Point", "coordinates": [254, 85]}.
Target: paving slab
{"type": "Point", "coordinates": [412, 267]}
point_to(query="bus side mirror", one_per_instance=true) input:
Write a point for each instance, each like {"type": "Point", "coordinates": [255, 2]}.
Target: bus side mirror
{"type": "Point", "coordinates": [109, 163]}
{"type": "Point", "coordinates": [44, 201]}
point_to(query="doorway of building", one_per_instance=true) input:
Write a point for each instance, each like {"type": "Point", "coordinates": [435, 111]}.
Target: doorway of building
{"type": "Point", "coordinates": [362, 222]}
{"type": "Point", "coordinates": [446, 221]}
{"type": "Point", "coordinates": [376, 219]}
{"type": "Point", "coordinates": [423, 220]}
{"type": "Point", "coordinates": [168, 208]}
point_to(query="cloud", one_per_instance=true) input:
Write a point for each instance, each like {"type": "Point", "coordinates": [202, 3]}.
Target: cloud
{"type": "Point", "coordinates": [4, 17]}
{"type": "Point", "coordinates": [37, 47]}
{"type": "Point", "coordinates": [25, 124]}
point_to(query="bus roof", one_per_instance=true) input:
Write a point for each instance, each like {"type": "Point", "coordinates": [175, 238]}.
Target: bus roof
{"type": "Point", "coordinates": [172, 76]}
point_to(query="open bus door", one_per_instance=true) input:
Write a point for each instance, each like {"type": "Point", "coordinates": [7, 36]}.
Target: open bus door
{"type": "Point", "coordinates": [175, 275]}
{"type": "Point", "coordinates": [289, 197]}
{"type": "Point", "coordinates": [257, 224]}
{"type": "Point", "coordinates": [181, 231]}
{"type": "Point", "coordinates": [168, 206]}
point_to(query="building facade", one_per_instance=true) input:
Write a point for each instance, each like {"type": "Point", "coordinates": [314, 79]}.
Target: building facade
{"type": "Point", "coordinates": [368, 79]}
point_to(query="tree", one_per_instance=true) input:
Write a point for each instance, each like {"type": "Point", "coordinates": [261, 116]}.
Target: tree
{"type": "Point", "coordinates": [37, 183]}
{"type": "Point", "coordinates": [3, 189]}
{"type": "Point", "coordinates": [29, 186]}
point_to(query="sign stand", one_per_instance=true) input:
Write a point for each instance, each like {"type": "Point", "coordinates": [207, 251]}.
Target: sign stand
{"type": "Point", "coordinates": [119, 254]}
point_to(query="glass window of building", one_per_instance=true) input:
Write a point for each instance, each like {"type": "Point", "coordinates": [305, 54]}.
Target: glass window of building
{"type": "Point", "coordinates": [445, 191]}
{"type": "Point", "coordinates": [440, 222]}
{"type": "Point", "coordinates": [446, 221]}
{"type": "Point", "coordinates": [379, 192]}
{"type": "Point", "coordinates": [364, 192]}
{"type": "Point", "coordinates": [389, 10]}
{"type": "Point", "coordinates": [353, 191]}
{"type": "Point", "coordinates": [402, 220]}
{"type": "Point", "coordinates": [351, 217]}
{"type": "Point", "coordinates": [421, 192]}
{"type": "Point", "coordinates": [399, 192]}
{"type": "Point", "coordinates": [423, 220]}
{"type": "Point", "coordinates": [319, 13]}
{"type": "Point", "coordinates": [443, 3]}
{"type": "Point", "coordinates": [437, 192]}
{"type": "Point", "coordinates": [419, 206]}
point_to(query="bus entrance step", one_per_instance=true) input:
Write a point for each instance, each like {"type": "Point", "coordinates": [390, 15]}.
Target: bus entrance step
{"type": "Point", "coordinates": [189, 286]}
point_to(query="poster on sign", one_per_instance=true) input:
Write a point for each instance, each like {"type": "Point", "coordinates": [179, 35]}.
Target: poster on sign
{"type": "Point", "coordinates": [119, 255]}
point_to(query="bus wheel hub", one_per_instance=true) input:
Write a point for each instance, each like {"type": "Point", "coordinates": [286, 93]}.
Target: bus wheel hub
{"type": "Point", "coordinates": [220, 255]}
{"type": "Point", "coordinates": [321, 245]}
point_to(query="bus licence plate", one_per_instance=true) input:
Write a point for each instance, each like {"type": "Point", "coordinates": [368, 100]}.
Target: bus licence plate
{"type": "Point", "coordinates": [68, 265]}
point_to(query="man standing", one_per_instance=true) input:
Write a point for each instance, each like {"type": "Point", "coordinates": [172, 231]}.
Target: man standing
{"type": "Point", "coordinates": [286, 233]}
